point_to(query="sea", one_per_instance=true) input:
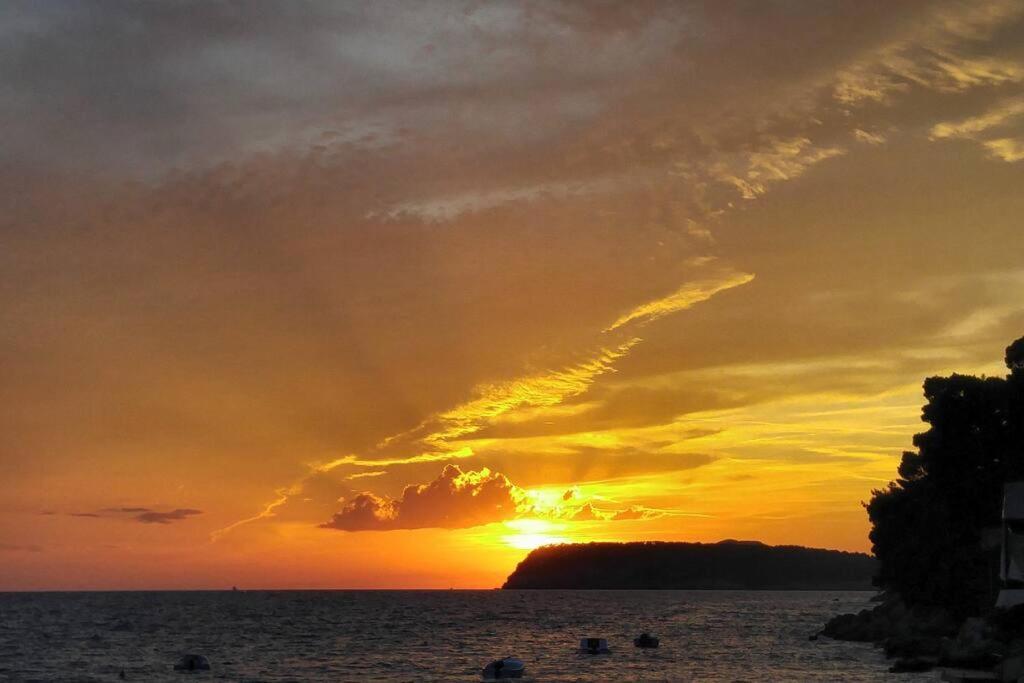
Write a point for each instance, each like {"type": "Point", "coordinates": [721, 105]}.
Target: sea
{"type": "Point", "coordinates": [432, 635]}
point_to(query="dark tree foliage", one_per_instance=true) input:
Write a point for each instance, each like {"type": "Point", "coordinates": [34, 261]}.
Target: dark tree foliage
{"type": "Point", "coordinates": [655, 564]}
{"type": "Point", "coordinates": [927, 526]}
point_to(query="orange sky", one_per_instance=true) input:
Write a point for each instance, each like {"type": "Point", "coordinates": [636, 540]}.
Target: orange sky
{"type": "Point", "coordinates": [384, 296]}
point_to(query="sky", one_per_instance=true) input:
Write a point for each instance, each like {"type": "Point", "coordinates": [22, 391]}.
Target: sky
{"type": "Point", "coordinates": [356, 295]}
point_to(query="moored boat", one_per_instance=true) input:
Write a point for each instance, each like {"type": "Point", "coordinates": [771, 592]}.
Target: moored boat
{"type": "Point", "coordinates": [594, 646]}
{"type": "Point", "coordinates": [503, 669]}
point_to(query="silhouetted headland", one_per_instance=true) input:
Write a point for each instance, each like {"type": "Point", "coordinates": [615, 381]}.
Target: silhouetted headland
{"type": "Point", "coordinates": [748, 565]}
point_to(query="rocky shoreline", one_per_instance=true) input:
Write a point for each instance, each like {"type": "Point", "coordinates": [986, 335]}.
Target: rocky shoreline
{"type": "Point", "coordinates": [922, 638]}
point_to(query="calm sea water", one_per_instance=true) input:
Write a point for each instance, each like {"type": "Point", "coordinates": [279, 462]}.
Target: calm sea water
{"type": "Point", "coordinates": [430, 635]}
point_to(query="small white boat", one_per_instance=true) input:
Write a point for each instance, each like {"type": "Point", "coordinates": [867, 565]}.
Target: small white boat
{"type": "Point", "coordinates": [504, 669]}
{"type": "Point", "coordinates": [594, 646]}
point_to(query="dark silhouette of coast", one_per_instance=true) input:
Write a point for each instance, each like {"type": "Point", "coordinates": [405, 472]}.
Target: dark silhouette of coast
{"type": "Point", "coordinates": [937, 531]}
{"type": "Point", "coordinates": [748, 565]}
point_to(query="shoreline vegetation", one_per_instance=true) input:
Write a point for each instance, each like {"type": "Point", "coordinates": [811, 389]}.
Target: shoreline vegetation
{"type": "Point", "coordinates": [739, 565]}
{"type": "Point", "coordinates": [936, 533]}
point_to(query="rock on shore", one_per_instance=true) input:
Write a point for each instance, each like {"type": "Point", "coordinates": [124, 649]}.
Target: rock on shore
{"type": "Point", "coordinates": [922, 637]}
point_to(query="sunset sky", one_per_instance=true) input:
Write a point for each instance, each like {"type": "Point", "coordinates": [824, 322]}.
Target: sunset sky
{"type": "Point", "coordinates": [384, 295]}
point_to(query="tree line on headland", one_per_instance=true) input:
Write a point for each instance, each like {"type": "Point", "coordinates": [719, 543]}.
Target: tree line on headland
{"type": "Point", "coordinates": [662, 565]}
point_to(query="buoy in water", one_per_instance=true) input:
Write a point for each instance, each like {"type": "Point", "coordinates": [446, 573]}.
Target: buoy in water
{"type": "Point", "coordinates": [594, 646]}
{"type": "Point", "coordinates": [646, 640]}
{"type": "Point", "coordinates": [501, 669]}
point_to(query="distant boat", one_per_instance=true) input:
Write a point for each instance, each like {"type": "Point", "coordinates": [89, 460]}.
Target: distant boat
{"type": "Point", "coordinates": [192, 663]}
{"type": "Point", "coordinates": [502, 669]}
{"type": "Point", "coordinates": [234, 589]}
{"type": "Point", "coordinates": [594, 646]}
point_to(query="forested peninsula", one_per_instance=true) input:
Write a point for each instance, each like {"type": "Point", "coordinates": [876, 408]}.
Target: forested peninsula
{"type": "Point", "coordinates": [748, 565]}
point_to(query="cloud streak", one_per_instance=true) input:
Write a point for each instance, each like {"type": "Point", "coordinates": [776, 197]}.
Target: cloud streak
{"type": "Point", "coordinates": [777, 161]}
{"type": "Point", "coordinates": [687, 296]}
{"type": "Point", "coordinates": [154, 517]}
{"type": "Point", "coordinates": [935, 54]}
{"type": "Point", "coordinates": [142, 515]}
{"type": "Point", "coordinates": [989, 129]}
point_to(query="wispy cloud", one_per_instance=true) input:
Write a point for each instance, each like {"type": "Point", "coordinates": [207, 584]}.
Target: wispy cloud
{"type": "Point", "coordinates": [359, 461]}
{"type": "Point", "coordinates": [971, 127]}
{"type": "Point", "coordinates": [491, 401]}
{"type": "Point", "coordinates": [143, 515]}
{"type": "Point", "coordinates": [868, 137]}
{"type": "Point", "coordinates": [1007, 149]}
{"type": "Point", "coordinates": [934, 54]}
{"type": "Point", "coordinates": [446, 208]}
{"type": "Point", "coordinates": [546, 389]}
{"type": "Point", "coordinates": [988, 129]}
{"type": "Point", "coordinates": [154, 517]}
{"type": "Point", "coordinates": [588, 512]}
{"type": "Point", "coordinates": [267, 512]}
{"type": "Point", "coordinates": [366, 475]}
{"type": "Point", "coordinates": [686, 296]}
{"type": "Point", "coordinates": [776, 161]}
